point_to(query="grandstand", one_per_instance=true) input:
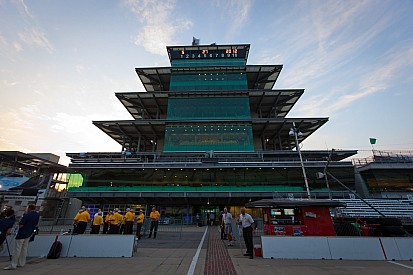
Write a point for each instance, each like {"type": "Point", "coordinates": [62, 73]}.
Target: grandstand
{"type": "Point", "coordinates": [31, 178]}
{"type": "Point", "coordinates": [390, 208]}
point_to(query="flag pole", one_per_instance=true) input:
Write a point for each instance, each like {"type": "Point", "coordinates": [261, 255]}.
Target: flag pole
{"type": "Point", "coordinates": [372, 142]}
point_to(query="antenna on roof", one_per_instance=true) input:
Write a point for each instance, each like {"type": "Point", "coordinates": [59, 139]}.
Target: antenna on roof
{"type": "Point", "coordinates": [195, 41]}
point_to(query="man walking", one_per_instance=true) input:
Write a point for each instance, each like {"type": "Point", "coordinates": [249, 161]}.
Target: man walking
{"type": "Point", "coordinates": [247, 223]}
{"type": "Point", "coordinates": [154, 222]}
{"type": "Point", "coordinates": [27, 225]}
{"type": "Point", "coordinates": [226, 220]}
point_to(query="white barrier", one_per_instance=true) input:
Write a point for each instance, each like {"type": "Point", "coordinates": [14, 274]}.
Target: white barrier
{"type": "Point", "coordinates": [345, 248]}
{"type": "Point", "coordinates": [355, 248]}
{"type": "Point", "coordinates": [398, 248]}
{"type": "Point", "coordinates": [280, 247]}
{"type": "Point", "coordinates": [96, 246]}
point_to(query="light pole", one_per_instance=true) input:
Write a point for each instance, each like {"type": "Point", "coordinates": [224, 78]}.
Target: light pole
{"type": "Point", "coordinates": [296, 133]}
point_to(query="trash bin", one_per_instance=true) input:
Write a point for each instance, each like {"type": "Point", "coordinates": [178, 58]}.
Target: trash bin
{"type": "Point", "coordinates": [257, 250]}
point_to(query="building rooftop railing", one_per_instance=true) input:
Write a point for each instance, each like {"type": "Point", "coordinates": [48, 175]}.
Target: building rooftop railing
{"type": "Point", "coordinates": [222, 158]}
{"type": "Point", "coordinates": [177, 188]}
{"type": "Point", "coordinates": [385, 157]}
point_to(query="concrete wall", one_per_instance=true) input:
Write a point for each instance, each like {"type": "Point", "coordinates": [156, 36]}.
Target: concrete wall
{"type": "Point", "coordinates": [345, 248]}
{"type": "Point", "coordinates": [95, 246]}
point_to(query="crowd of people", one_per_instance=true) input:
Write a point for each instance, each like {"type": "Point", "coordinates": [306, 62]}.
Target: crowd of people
{"type": "Point", "coordinates": [114, 222]}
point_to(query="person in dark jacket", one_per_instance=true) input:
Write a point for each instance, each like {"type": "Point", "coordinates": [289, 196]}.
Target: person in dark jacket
{"type": "Point", "coordinates": [27, 226]}
{"type": "Point", "coordinates": [6, 225]}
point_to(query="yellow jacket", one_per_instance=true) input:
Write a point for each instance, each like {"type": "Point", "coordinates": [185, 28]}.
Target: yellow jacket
{"type": "Point", "coordinates": [98, 220]}
{"type": "Point", "coordinates": [140, 218]}
{"type": "Point", "coordinates": [129, 216]}
{"type": "Point", "coordinates": [116, 219]}
{"type": "Point", "coordinates": [108, 217]}
{"type": "Point", "coordinates": [77, 217]}
{"type": "Point", "coordinates": [84, 216]}
{"type": "Point", "coordinates": [155, 215]}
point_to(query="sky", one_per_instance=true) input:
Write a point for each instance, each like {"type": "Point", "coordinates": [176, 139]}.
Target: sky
{"type": "Point", "coordinates": [61, 63]}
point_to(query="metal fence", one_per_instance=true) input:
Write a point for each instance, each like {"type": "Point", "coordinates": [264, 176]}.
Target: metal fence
{"type": "Point", "coordinates": [66, 226]}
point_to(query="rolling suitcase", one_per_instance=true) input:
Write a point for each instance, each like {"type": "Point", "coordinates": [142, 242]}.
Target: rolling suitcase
{"type": "Point", "coordinates": [55, 250]}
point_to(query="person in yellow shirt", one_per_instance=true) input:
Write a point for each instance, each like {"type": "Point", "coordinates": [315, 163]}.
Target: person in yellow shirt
{"type": "Point", "coordinates": [122, 223]}
{"type": "Point", "coordinates": [139, 222]}
{"type": "Point", "coordinates": [115, 222]}
{"type": "Point", "coordinates": [97, 222]}
{"type": "Point", "coordinates": [76, 222]}
{"type": "Point", "coordinates": [84, 218]}
{"type": "Point", "coordinates": [129, 219]}
{"type": "Point", "coordinates": [154, 222]}
{"type": "Point", "coordinates": [107, 222]}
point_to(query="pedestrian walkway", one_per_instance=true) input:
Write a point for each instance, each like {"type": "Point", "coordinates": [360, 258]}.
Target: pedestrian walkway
{"type": "Point", "coordinates": [218, 260]}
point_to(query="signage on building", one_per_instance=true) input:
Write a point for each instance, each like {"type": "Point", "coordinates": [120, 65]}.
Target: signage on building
{"type": "Point", "coordinates": [206, 54]}
{"type": "Point", "coordinates": [19, 198]}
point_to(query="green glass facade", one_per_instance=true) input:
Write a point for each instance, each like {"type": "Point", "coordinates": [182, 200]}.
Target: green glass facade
{"type": "Point", "coordinates": [208, 108]}
{"type": "Point", "coordinates": [208, 81]}
{"type": "Point", "coordinates": [204, 137]}
{"type": "Point", "coordinates": [197, 136]}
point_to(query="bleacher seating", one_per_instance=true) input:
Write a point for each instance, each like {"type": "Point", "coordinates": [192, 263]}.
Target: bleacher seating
{"type": "Point", "coordinates": [390, 208]}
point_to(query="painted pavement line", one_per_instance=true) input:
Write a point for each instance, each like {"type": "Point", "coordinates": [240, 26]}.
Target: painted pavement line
{"type": "Point", "coordinates": [195, 258]}
{"type": "Point", "coordinates": [406, 266]}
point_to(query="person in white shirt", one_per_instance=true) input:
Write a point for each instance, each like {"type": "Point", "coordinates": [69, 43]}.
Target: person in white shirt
{"type": "Point", "coordinates": [97, 213]}
{"type": "Point", "coordinates": [226, 220]}
{"type": "Point", "coordinates": [248, 226]}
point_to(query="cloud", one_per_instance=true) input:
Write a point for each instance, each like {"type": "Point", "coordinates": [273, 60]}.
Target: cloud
{"type": "Point", "coordinates": [24, 9]}
{"type": "Point", "coordinates": [154, 38]}
{"type": "Point", "coordinates": [26, 33]}
{"type": "Point", "coordinates": [7, 145]}
{"type": "Point", "coordinates": [328, 50]}
{"type": "Point", "coordinates": [380, 79]}
{"type": "Point", "coordinates": [159, 25]}
{"type": "Point", "coordinates": [35, 37]}
{"type": "Point", "coordinates": [11, 123]}
{"type": "Point", "coordinates": [235, 13]}
{"type": "Point", "coordinates": [80, 68]}
{"type": "Point", "coordinates": [7, 83]}
{"type": "Point", "coordinates": [237, 10]}
{"type": "Point", "coordinates": [17, 47]}
{"type": "Point", "coordinates": [335, 36]}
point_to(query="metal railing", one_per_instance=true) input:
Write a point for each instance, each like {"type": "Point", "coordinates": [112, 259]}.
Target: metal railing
{"type": "Point", "coordinates": [66, 226]}
{"type": "Point", "coordinates": [384, 157]}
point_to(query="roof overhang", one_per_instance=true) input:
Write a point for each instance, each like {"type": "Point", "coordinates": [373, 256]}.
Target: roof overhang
{"type": "Point", "coordinates": [270, 103]}
{"type": "Point", "coordinates": [130, 131]}
{"type": "Point", "coordinates": [259, 77]}
{"type": "Point", "coordinates": [21, 159]}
